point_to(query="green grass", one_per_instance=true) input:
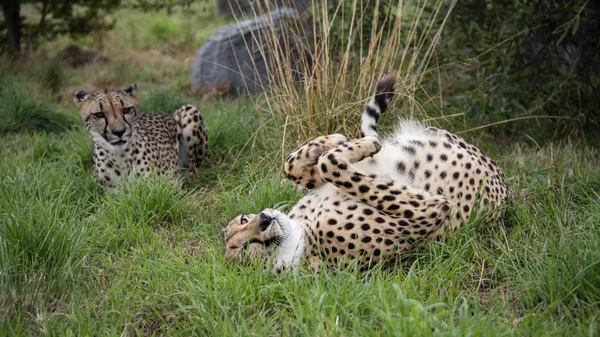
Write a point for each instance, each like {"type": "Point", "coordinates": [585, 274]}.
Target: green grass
{"type": "Point", "coordinates": [23, 110]}
{"type": "Point", "coordinates": [76, 261]}
{"type": "Point", "coordinates": [160, 100]}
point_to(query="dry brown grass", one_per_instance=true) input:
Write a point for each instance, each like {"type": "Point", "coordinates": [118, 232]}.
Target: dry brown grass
{"type": "Point", "coordinates": [339, 79]}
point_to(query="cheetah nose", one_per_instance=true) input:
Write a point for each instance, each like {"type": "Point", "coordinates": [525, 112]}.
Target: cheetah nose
{"type": "Point", "coordinates": [264, 221]}
{"type": "Point", "coordinates": [119, 133]}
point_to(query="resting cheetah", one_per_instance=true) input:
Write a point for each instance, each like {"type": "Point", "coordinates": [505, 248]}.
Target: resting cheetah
{"type": "Point", "coordinates": [127, 140]}
{"type": "Point", "coordinates": [371, 200]}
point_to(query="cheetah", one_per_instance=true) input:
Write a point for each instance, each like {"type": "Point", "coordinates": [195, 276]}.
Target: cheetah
{"type": "Point", "coordinates": [127, 141]}
{"type": "Point", "coordinates": [370, 200]}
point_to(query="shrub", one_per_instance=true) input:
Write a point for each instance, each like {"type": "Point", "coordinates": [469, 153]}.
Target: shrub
{"type": "Point", "coordinates": [524, 61]}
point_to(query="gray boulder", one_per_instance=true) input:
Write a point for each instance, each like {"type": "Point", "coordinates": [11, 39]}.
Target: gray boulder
{"type": "Point", "coordinates": [233, 56]}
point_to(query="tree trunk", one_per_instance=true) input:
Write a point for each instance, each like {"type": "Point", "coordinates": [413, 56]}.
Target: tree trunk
{"type": "Point", "coordinates": [11, 10]}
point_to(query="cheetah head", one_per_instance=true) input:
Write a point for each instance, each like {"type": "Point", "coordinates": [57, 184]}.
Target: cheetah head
{"type": "Point", "coordinates": [251, 236]}
{"type": "Point", "coordinates": [108, 114]}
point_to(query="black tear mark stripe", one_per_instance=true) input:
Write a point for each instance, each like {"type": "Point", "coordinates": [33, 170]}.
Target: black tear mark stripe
{"type": "Point", "coordinates": [105, 125]}
{"type": "Point", "coordinates": [126, 122]}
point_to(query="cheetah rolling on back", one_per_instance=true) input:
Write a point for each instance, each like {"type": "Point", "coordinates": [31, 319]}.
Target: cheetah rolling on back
{"type": "Point", "coordinates": [144, 143]}
{"type": "Point", "coordinates": [371, 200]}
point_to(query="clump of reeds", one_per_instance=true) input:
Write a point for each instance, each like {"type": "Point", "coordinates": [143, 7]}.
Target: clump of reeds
{"type": "Point", "coordinates": [318, 85]}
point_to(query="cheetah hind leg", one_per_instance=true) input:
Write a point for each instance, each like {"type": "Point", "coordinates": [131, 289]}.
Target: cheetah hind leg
{"type": "Point", "coordinates": [300, 165]}
{"type": "Point", "coordinates": [192, 137]}
{"type": "Point", "coordinates": [385, 194]}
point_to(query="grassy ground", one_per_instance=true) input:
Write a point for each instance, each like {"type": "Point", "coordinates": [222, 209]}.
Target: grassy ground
{"type": "Point", "coordinates": [75, 261]}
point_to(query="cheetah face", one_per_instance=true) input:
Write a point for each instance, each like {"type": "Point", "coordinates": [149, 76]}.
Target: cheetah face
{"type": "Point", "coordinates": [108, 114]}
{"type": "Point", "coordinates": [250, 236]}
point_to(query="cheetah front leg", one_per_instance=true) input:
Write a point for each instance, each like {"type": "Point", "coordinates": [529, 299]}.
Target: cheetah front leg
{"type": "Point", "coordinates": [106, 170]}
{"type": "Point", "coordinates": [335, 166]}
{"type": "Point", "coordinates": [192, 137]}
{"type": "Point", "coordinates": [300, 165]}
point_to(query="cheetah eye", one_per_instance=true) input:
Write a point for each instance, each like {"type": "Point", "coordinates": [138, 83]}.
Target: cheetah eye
{"type": "Point", "coordinates": [127, 110]}
{"type": "Point", "coordinates": [98, 114]}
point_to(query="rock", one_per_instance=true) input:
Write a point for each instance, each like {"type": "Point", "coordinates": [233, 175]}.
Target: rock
{"type": "Point", "coordinates": [234, 58]}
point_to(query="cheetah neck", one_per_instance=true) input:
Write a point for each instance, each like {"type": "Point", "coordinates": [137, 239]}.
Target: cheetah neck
{"type": "Point", "coordinates": [292, 248]}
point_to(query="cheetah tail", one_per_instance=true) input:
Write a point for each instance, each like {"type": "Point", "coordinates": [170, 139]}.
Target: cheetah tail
{"type": "Point", "coordinates": [377, 105]}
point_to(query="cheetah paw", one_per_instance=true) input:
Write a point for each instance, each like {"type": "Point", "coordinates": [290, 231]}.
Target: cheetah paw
{"type": "Point", "coordinates": [364, 147]}
{"type": "Point", "coordinates": [299, 166]}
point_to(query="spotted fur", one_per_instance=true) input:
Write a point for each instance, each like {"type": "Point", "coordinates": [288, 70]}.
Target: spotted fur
{"type": "Point", "coordinates": [372, 200]}
{"type": "Point", "coordinates": [144, 143]}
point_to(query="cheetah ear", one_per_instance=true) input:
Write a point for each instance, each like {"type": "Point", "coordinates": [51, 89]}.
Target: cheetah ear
{"type": "Point", "coordinates": [131, 90]}
{"type": "Point", "coordinates": [79, 96]}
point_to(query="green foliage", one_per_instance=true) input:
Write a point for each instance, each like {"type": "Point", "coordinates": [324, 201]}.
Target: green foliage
{"type": "Point", "coordinates": [22, 110]}
{"type": "Point", "coordinates": [74, 17]}
{"type": "Point", "coordinates": [168, 5]}
{"type": "Point", "coordinates": [163, 30]}
{"type": "Point", "coordinates": [522, 59]}
{"type": "Point", "coordinates": [55, 18]}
